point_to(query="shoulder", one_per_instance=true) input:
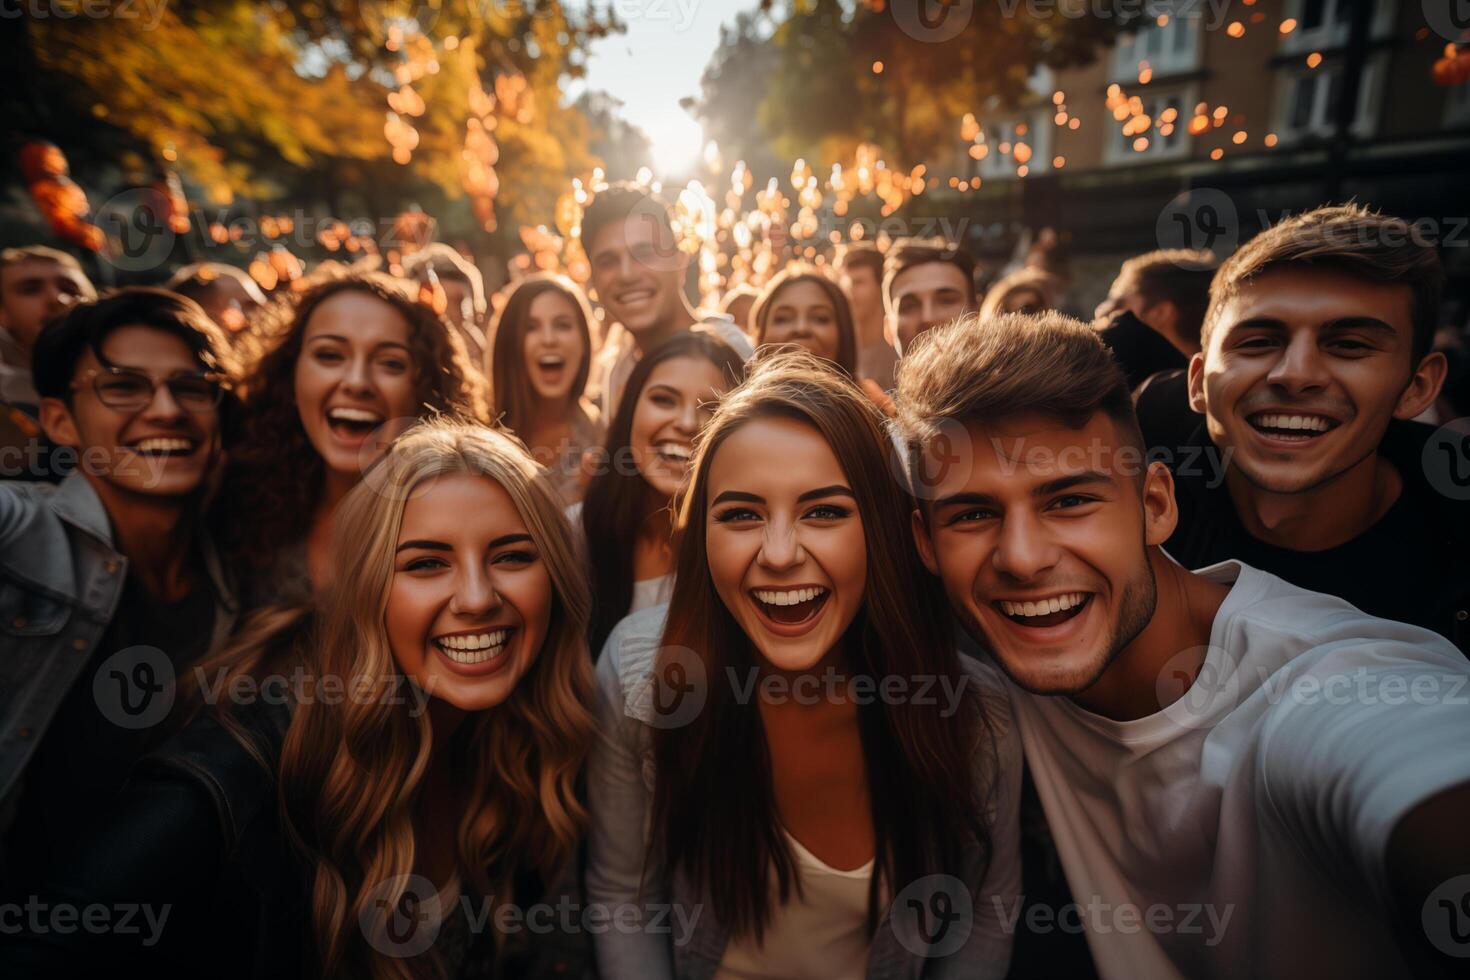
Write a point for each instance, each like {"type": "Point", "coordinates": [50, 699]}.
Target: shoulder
{"type": "Point", "coordinates": [628, 658]}
{"type": "Point", "coordinates": [729, 331]}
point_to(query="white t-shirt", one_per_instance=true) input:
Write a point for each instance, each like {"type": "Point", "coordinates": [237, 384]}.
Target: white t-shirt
{"type": "Point", "coordinates": [821, 934]}
{"type": "Point", "coordinates": [1241, 831]}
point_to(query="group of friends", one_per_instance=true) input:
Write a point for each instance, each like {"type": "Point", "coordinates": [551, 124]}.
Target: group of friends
{"type": "Point", "coordinates": [873, 627]}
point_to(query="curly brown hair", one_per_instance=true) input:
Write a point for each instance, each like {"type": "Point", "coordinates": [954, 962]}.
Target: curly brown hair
{"type": "Point", "coordinates": [274, 475]}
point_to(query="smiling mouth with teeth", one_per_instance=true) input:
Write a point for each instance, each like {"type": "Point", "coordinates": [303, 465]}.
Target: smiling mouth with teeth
{"type": "Point", "coordinates": [473, 648]}
{"type": "Point", "coordinates": [1049, 611]}
{"type": "Point", "coordinates": [673, 452]}
{"type": "Point", "coordinates": [354, 422]}
{"type": "Point", "coordinates": [1291, 427]}
{"type": "Point", "coordinates": [790, 607]}
{"type": "Point", "coordinates": [163, 446]}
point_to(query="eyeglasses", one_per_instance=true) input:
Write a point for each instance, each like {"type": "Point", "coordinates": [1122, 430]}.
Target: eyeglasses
{"type": "Point", "coordinates": [128, 390]}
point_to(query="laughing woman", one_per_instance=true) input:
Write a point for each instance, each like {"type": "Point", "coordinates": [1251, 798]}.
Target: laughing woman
{"type": "Point", "coordinates": [805, 307]}
{"type": "Point", "coordinates": [627, 511]}
{"type": "Point", "coordinates": [328, 379]}
{"type": "Point", "coordinates": [766, 756]}
{"type": "Point", "coordinates": [539, 363]}
{"type": "Point", "coordinates": [421, 779]}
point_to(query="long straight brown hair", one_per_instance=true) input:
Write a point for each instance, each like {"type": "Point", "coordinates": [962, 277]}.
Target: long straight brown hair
{"type": "Point", "coordinates": [714, 810]}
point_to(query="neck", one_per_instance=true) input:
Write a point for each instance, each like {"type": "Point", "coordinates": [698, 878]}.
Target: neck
{"type": "Point", "coordinates": [678, 321]}
{"type": "Point", "coordinates": [335, 486]}
{"type": "Point", "coordinates": [444, 720]}
{"type": "Point", "coordinates": [1325, 516]}
{"type": "Point", "coordinates": [1183, 616]}
{"type": "Point", "coordinates": [154, 533]}
{"type": "Point", "coordinates": [550, 421]}
{"type": "Point", "coordinates": [870, 330]}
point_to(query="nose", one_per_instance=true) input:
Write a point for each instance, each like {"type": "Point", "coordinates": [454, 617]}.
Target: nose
{"type": "Point", "coordinates": [1300, 368]}
{"type": "Point", "coordinates": [1024, 551]}
{"type": "Point", "coordinates": [780, 548]}
{"type": "Point", "coordinates": [162, 407]}
{"type": "Point", "coordinates": [474, 593]}
{"type": "Point", "coordinates": [358, 377]}
{"type": "Point", "coordinates": [687, 420]}
{"type": "Point", "coordinates": [545, 335]}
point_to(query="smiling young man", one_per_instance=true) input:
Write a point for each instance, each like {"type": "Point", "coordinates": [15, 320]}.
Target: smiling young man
{"type": "Point", "coordinates": [1316, 356]}
{"type": "Point", "coordinates": [36, 284]}
{"type": "Point", "coordinates": [638, 277]}
{"type": "Point", "coordinates": [107, 588]}
{"type": "Point", "coordinates": [1242, 778]}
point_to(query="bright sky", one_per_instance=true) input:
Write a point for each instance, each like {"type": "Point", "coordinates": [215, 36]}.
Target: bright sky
{"type": "Point", "coordinates": [657, 62]}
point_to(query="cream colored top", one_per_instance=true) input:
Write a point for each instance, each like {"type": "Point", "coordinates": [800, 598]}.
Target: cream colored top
{"type": "Point", "coordinates": [821, 934]}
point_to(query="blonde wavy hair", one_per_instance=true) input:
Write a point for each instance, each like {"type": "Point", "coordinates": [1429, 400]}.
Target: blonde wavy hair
{"type": "Point", "coordinates": [351, 773]}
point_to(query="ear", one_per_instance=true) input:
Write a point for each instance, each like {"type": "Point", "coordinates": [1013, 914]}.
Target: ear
{"type": "Point", "coordinates": [1423, 387]}
{"type": "Point", "coordinates": [1160, 512]}
{"type": "Point", "coordinates": [1197, 382]}
{"type": "Point", "coordinates": [57, 421]}
{"type": "Point", "coordinates": [922, 543]}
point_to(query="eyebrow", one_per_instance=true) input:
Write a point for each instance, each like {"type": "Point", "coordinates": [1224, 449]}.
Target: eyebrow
{"type": "Point", "coordinates": [1060, 484]}
{"type": "Point", "coordinates": [426, 544]}
{"type": "Point", "coordinates": [1341, 323]}
{"type": "Point", "coordinates": [836, 490]}
{"type": "Point", "coordinates": [343, 340]}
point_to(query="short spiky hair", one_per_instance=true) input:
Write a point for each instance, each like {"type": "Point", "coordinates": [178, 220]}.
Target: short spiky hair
{"type": "Point", "coordinates": [984, 369]}
{"type": "Point", "coordinates": [1349, 239]}
{"type": "Point", "coordinates": [619, 202]}
{"type": "Point", "coordinates": [1177, 275]}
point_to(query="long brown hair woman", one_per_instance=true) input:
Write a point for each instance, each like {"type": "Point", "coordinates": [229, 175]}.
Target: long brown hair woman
{"type": "Point", "coordinates": [539, 361]}
{"type": "Point", "coordinates": [804, 790]}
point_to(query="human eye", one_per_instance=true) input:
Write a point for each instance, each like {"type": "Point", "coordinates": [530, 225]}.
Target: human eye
{"type": "Point", "coordinates": [970, 515]}
{"type": "Point", "coordinates": [1073, 501]}
{"type": "Point", "coordinates": [735, 515]}
{"type": "Point", "coordinates": [327, 355]}
{"type": "Point", "coordinates": [663, 399]}
{"type": "Point", "coordinates": [393, 363]}
{"type": "Point", "coordinates": [517, 558]}
{"type": "Point", "coordinates": [426, 563]}
{"type": "Point", "coordinates": [828, 512]}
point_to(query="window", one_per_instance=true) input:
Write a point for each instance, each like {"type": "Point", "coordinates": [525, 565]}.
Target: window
{"type": "Point", "coordinates": [1308, 99]}
{"type": "Point", "coordinates": [1167, 137]}
{"type": "Point", "coordinates": [1003, 140]}
{"type": "Point", "coordinates": [1171, 49]}
{"type": "Point", "coordinates": [1325, 24]}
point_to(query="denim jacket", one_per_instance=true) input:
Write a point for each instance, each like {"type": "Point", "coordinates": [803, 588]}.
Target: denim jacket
{"type": "Point", "coordinates": [682, 938]}
{"type": "Point", "coordinates": [60, 579]}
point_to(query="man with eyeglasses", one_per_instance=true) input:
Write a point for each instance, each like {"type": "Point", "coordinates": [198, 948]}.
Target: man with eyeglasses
{"type": "Point", "coordinates": [108, 588]}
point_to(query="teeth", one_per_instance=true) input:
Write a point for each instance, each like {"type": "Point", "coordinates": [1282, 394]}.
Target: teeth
{"type": "Point", "coordinates": [672, 449]}
{"type": "Point", "coordinates": [551, 360]}
{"type": "Point", "coordinates": [473, 648]}
{"type": "Point", "coordinates": [636, 296]}
{"type": "Point", "coordinates": [788, 597]}
{"type": "Point", "coordinates": [1043, 607]}
{"type": "Point", "coordinates": [353, 415]}
{"type": "Point", "coordinates": [158, 445]}
{"type": "Point", "coordinates": [1310, 423]}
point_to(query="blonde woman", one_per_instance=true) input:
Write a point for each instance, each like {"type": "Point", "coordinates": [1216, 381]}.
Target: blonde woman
{"type": "Point", "coordinates": [420, 778]}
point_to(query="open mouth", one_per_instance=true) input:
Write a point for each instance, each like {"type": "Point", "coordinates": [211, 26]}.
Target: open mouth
{"type": "Point", "coordinates": [633, 297]}
{"type": "Point", "coordinates": [352, 423]}
{"type": "Point", "coordinates": [1291, 427]}
{"type": "Point", "coordinates": [474, 649]}
{"type": "Point", "coordinates": [791, 607]}
{"type": "Point", "coordinates": [163, 446]}
{"type": "Point", "coordinates": [551, 366]}
{"type": "Point", "coordinates": [1039, 613]}
{"type": "Point", "coordinates": [674, 453]}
